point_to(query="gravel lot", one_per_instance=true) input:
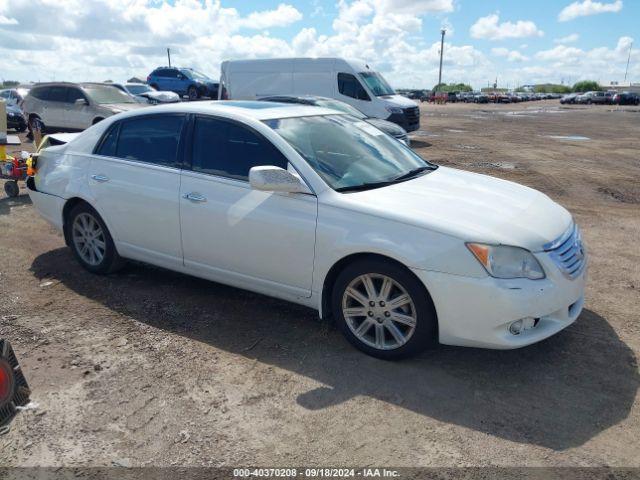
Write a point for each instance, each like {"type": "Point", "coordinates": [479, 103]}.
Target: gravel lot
{"type": "Point", "coordinates": [150, 367]}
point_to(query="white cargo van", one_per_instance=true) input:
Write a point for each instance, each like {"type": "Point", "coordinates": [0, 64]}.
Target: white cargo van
{"type": "Point", "coordinates": [351, 81]}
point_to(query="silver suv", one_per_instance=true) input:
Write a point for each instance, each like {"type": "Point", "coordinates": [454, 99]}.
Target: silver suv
{"type": "Point", "coordinates": [74, 106]}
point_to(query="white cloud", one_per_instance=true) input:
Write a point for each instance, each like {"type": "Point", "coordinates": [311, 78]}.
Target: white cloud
{"type": "Point", "coordinates": [415, 7]}
{"type": "Point", "coordinates": [510, 55]}
{"type": "Point", "coordinates": [489, 27]}
{"type": "Point", "coordinates": [588, 7]}
{"type": "Point", "coordinates": [280, 17]}
{"type": "Point", "coordinates": [574, 37]}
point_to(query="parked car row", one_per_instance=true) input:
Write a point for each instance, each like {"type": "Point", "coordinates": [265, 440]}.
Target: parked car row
{"type": "Point", "coordinates": [602, 98]}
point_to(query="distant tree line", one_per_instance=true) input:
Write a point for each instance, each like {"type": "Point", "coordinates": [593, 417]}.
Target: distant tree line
{"type": "Point", "coordinates": [10, 84]}
{"type": "Point", "coordinates": [452, 87]}
{"type": "Point", "coordinates": [583, 86]}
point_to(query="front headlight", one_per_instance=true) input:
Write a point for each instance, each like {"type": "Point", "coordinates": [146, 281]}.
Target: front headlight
{"type": "Point", "coordinates": [394, 109]}
{"type": "Point", "coordinates": [501, 261]}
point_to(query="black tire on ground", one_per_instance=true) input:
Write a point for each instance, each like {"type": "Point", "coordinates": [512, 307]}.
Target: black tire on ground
{"type": "Point", "coordinates": [111, 261]}
{"type": "Point", "coordinates": [21, 128]}
{"type": "Point", "coordinates": [426, 329]}
{"type": "Point", "coordinates": [36, 120]}
{"type": "Point", "coordinates": [11, 188]}
{"type": "Point", "coordinates": [193, 93]}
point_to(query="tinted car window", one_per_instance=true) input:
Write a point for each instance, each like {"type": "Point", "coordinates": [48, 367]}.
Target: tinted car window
{"type": "Point", "coordinates": [40, 93]}
{"type": "Point", "coordinates": [74, 94]}
{"type": "Point", "coordinates": [230, 150]}
{"type": "Point", "coordinates": [350, 86]}
{"type": "Point", "coordinates": [108, 145]}
{"type": "Point", "coordinates": [151, 139]}
{"type": "Point", "coordinates": [57, 94]}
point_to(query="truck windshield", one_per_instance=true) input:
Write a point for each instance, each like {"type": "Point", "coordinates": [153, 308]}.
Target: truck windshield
{"type": "Point", "coordinates": [377, 84]}
{"type": "Point", "coordinates": [348, 153]}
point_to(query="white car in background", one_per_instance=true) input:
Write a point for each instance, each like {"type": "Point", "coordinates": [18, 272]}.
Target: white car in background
{"type": "Point", "coordinates": [143, 93]}
{"type": "Point", "coordinates": [322, 209]}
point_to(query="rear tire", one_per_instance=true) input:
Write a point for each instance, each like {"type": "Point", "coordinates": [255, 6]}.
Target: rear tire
{"type": "Point", "coordinates": [383, 309]}
{"type": "Point", "coordinates": [11, 188]}
{"type": "Point", "coordinates": [91, 241]}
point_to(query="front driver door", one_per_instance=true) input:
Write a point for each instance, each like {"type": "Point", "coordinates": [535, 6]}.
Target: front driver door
{"type": "Point", "coordinates": [258, 240]}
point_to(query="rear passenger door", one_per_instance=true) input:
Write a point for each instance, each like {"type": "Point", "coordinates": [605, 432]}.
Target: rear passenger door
{"type": "Point", "coordinates": [54, 108]}
{"type": "Point", "coordinates": [78, 116]}
{"type": "Point", "coordinates": [259, 240]}
{"type": "Point", "coordinates": [135, 178]}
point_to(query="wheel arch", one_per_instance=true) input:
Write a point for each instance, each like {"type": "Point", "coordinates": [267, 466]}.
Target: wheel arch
{"type": "Point", "coordinates": [69, 205]}
{"type": "Point", "coordinates": [331, 276]}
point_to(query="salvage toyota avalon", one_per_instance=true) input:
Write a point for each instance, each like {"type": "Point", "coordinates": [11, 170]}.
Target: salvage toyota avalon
{"type": "Point", "coordinates": [319, 208]}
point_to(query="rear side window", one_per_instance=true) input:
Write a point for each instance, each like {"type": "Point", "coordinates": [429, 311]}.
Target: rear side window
{"type": "Point", "coordinates": [350, 86]}
{"type": "Point", "coordinates": [152, 139]}
{"type": "Point", "coordinates": [108, 145]}
{"type": "Point", "coordinates": [57, 94]}
{"type": "Point", "coordinates": [40, 93]}
{"type": "Point", "coordinates": [230, 150]}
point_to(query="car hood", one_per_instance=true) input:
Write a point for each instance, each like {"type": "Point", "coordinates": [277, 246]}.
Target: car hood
{"type": "Point", "coordinates": [122, 107]}
{"type": "Point", "coordinates": [161, 96]}
{"type": "Point", "coordinates": [468, 206]}
{"type": "Point", "coordinates": [399, 101]}
{"type": "Point", "coordinates": [386, 126]}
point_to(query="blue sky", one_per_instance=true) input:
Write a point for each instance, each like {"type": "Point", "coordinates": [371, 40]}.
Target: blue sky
{"type": "Point", "coordinates": [518, 42]}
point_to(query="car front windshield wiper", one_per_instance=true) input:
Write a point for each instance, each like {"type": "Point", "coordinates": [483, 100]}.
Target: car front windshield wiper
{"type": "Point", "coordinates": [414, 173]}
{"type": "Point", "coordinates": [371, 185]}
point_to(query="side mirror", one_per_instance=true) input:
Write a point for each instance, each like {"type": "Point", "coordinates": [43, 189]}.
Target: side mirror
{"type": "Point", "coordinates": [275, 179]}
{"type": "Point", "coordinates": [81, 102]}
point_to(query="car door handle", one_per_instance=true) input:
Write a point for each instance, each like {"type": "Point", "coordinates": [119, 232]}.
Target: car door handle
{"type": "Point", "coordinates": [100, 178]}
{"type": "Point", "coordinates": [194, 197]}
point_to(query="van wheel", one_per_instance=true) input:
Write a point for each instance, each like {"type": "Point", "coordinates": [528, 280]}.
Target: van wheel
{"type": "Point", "coordinates": [35, 123]}
{"type": "Point", "coordinates": [383, 310]}
{"type": "Point", "coordinates": [91, 241]}
{"type": "Point", "coordinates": [192, 92]}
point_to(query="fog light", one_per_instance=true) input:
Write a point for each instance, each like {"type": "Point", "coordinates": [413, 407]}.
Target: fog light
{"type": "Point", "coordinates": [516, 327]}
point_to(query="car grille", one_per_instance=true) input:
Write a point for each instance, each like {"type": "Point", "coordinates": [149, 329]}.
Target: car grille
{"type": "Point", "coordinates": [568, 252]}
{"type": "Point", "coordinates": [412, 114]}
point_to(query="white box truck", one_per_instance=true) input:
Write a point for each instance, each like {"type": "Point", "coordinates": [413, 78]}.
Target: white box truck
{"type": "Point", "coordinates": [350, 81]}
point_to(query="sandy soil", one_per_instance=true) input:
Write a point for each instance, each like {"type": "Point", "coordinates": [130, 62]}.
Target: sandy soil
{"type": "Point", "coordinates": [149, 367]}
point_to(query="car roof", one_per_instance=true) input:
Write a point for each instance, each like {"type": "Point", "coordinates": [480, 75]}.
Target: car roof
{"type": "Point", "coordinates": [259, 110]}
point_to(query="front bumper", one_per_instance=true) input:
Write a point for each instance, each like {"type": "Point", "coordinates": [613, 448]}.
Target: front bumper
{"type": "Point", "coordinates": [409, 119]}
{"type": "Point", "coordinates": [477, 312]}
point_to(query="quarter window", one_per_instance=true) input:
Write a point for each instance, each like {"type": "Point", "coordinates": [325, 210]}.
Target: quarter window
{"type": "Point", "coordinates": [229, 150]}
{"type": "Point", "coordinates": [152, 139]}
{"type": "Point", "coordinates": [108, 145]}
{"type": "Point", "coordinates": [350, 86]}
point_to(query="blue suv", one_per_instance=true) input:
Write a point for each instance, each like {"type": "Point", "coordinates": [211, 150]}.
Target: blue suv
{"type": "Point", "coordinates": [183, 81]}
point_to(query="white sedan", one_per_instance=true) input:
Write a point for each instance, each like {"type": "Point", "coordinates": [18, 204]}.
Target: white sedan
{"type": "Point", "coordinates": [320, 208]}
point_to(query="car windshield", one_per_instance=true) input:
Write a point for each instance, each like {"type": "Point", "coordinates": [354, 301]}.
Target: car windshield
{"type": "Point", "coordinates": [350, 154]}
{"type": "Point", "coordinates": [104, 94]}
{"type": "Point", "coordinates": [194, 75]}
{"type": "Point", "coordinates": [138, 89]}
{"type": "Point", "coordinates": [377, 84]}
{"type": "Point", "coordinates": [341, 107]}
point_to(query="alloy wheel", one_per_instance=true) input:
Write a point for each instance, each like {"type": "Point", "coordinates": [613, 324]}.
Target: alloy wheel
{"type": "Point", "coordinates": [89, 239]}
{"type": "Point", "coordinates": [379, 311]}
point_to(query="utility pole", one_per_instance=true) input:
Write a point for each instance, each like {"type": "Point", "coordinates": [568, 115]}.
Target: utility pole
{"type": "Point", "coordinates": [443, 32]}
{"type": "Point", "coordinates": [628, 59]}
{"type": "Point", "coordinates": [169, 55]}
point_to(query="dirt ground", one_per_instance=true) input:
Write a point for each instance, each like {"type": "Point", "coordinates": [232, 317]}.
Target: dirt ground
{"type": "Point", "coordinates": [150, 367]}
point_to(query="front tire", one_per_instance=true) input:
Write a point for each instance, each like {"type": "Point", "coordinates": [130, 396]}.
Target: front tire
{"type": "Point", "coordinates": [192, 92]}
{"type": "Point", "coordinates": [91, 241]}
{"type": "Point", "coordinates": [383, 309]}
{"type": "Point", "coordinates": [11, 188]}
